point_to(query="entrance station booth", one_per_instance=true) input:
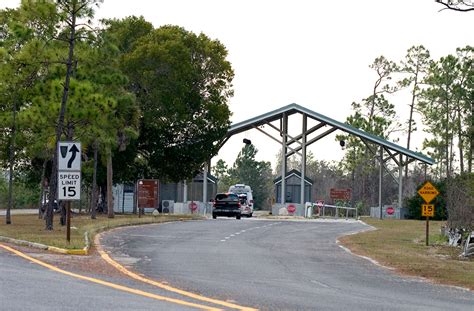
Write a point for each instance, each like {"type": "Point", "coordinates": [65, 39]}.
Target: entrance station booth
{"type": "Point", "coordinates": [293, 192]}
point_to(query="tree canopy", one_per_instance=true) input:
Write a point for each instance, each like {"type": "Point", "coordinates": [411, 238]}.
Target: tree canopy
{"type": "Point", "coordinates": [182, 82]}
{"type": "Point", "coordinates": [155, 100]}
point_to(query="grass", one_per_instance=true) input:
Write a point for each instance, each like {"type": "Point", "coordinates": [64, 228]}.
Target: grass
{"type": "Point", "coordinates": [30, 228]}
{"type": "Point", "coordinates": [401, 244]}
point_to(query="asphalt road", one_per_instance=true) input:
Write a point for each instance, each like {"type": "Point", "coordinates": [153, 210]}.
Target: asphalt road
{"type": "Point", "coordinates": [274, 265]}
{"type": "Point", "coordinates": [27, 286]}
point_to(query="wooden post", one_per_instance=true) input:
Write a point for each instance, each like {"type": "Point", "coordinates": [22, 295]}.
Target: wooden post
{"type": "Point", "coordinates": [427, 230]}
{"type": "Point", "coordinates": [68, 221]}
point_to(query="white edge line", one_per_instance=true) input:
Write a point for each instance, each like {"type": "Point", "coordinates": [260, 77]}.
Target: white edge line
{"type": "Point", "coordinates": [375, 262]}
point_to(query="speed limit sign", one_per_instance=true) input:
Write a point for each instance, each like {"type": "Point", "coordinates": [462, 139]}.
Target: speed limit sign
{"type": "Point", "coordinates": [427, 210]}
{"type": "Point", "coordinates": [69, 185]}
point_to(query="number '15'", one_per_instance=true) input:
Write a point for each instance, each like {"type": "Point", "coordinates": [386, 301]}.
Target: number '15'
{"type": "Point", "coordinates": [69, 191]}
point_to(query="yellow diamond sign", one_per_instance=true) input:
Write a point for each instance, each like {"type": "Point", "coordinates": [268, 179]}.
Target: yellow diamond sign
{"type": "Point", "coordinates": [428, 192]}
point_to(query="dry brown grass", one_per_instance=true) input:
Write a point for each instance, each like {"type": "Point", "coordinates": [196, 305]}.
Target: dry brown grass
{"type": "Point", "coordinates": [401, 244]}
{"type": "Point", "coordinates": [30, 228]}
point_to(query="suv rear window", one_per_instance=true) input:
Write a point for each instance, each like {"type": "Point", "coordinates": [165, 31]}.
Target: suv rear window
{"type": "Point", "coordinates": [226, 197]}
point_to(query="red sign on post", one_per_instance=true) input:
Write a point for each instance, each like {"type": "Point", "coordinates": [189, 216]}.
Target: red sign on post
{"type": "Point", "coordinates": [193, 206]}
{"type": "Point", "coordinates": [340, 194]}
{"type": "Point", "coordinates": [148, 193]}
{"type": "Point", "coordinates": [291, 208]}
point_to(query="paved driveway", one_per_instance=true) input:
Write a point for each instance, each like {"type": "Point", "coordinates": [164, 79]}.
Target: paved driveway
{"type": "Point", "coordinates": [290, 265]}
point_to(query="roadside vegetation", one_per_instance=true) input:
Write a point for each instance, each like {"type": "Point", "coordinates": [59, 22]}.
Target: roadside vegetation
{"type": "Point", "coordinates": [401, 244]}
{"type": "Point", "coordinates": [30, 228]}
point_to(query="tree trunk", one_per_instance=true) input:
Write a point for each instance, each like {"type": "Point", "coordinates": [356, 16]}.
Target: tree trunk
{"type": "Point", "coordinates": [11, 161]}
{"type": "Point", "coordinates": [471, 139]}
{"type": "Point", "coordinates": [59, 128]}
{"type": "Point", "coordinates": [42, 186]}
{"type": "Point", "coordinates": [94, 185]}
{"type": "Point", "coordinates": [447, 141]}
{"type": "Point", "coordinates": [410, 119]}
{"type": "Point", "coordinates": [469, 154]}
{"type": "Point", "coordinates": [460, 142]}
{"type": "Point", "coordinates": [110, 203]}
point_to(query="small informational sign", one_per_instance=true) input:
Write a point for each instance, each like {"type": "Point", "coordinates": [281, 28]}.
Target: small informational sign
{"type": "Point", "coordinates": [69, 156]}
{"type": "Point", "coordinates": [427, 210]}
{"type": "Point", "coordinates": [428, 192]}
{"type": "Point", "coordinates": [340, 194]}
{"type": "Point", "coordinates": [69, 186]}
{"type": "Point", "coordinates": [147, 190]}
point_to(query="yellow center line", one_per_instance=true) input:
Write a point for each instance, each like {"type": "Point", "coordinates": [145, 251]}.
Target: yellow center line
{"type": "Point", "coordinates": [109, 284]}
{"type": "Point", "coordinates": [124, 270]}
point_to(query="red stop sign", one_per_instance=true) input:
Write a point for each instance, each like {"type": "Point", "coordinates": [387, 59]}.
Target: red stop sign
{"type": "Point", "coordinates": [291, 208]}
{"type": "Point", "coordinates": [390, 210]}
{"type": "Point", "coordinates": [193, 206]}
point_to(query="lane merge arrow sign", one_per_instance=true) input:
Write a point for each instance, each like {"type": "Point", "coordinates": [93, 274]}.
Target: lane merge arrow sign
{"type": "Point", "coordinates": [69, 156]}
{"type": "Point", "coordinates": [428, 192]}
{"type": "Point", "coordinates": [73, 152]}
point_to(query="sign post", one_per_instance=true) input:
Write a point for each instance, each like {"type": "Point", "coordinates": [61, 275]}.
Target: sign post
{"type": "Point", "coordinates": [69, 177]}
{"type": "Point", "coordinates": [428, 192]}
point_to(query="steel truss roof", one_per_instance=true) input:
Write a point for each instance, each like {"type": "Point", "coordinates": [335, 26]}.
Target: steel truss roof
{"type": "Point", "coordinates": [277, 114]}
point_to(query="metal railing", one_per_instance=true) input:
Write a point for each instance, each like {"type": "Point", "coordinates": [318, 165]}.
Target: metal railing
{"type": "Point", "coordinates": [322, 210]}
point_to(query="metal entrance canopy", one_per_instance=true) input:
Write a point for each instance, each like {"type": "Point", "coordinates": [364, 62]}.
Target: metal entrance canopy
{"type": "Point", "coordinates": [326, 126]}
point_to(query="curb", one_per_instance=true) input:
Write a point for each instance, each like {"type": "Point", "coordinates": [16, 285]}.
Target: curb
{"type": "Point", "coordinates": [83, 251]}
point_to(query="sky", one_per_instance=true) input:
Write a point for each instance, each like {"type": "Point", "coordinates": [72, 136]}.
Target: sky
{"type": "Point", "coordinates": [312, 53]}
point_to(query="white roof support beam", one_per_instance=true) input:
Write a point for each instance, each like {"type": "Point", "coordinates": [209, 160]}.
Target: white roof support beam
{"type": "Point", "coordinates": [277, 140]}
{"type": "Point", "coordinates": [303, 161]}
{"type": "Point", "coordinates": [308, 132]}
{"type": "Point", "coordinates": [281, 133]}
{"type": "Point", "coordinates": [284, 145]}
{"type": "Point", "coordinates": [393, 157]}
{"type": "Point", "coordinates": [381, 159]}
{"type": "Point", "coordinates": [322, 135]}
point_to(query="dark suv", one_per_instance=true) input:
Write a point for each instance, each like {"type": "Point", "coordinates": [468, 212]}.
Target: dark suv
{"type": "Point", "coordinates": [226, 204]}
